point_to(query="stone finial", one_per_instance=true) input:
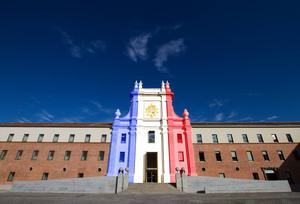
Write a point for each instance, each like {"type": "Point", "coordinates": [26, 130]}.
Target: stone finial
{"type": "Point", "coordinates": [162, 84]}
{"type": "Point", "coordinates": [140, 84]}
{"type": "Point", "coordinates": [167, 85]}
{"type": "Point", "coordinates": [127, 169]}
{"type": "Point", "coordinates": [117, 113]}
{"type": "Point", "coordinates": [136, 85]}
{"type": "Point", "coordinates": [186, 113]}
{"type": "Point", "coordinates": [121, 170]}
{"type": "Point", "coordinates": [183, 171]}
{"type": "Point", "coordinates": [177, 169]}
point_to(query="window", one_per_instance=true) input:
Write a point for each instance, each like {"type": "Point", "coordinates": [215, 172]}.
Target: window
{"type": "Point", "coordinates": [25, 137]}
{"type": "Point", "coordinates": [289, 138]}
{"type": "Point", "coordinates": [180, 156]}
{"type": "Point", "coordinates": [71, 137]}
{"type": "Point", "coordinates": [55, 138]}
{"type": "Point", "coordinates": [215, 138]}
{"type": "Point", "coordinates": [151, 137]}
{"type": "Point", "coordinates": [35, 154]}
{"type": "Point", "coordinates": [199, 138]}
{"type": "Point", "coordinates": [101, 156]}
{"type": "Point", "coordinates": [45, 176]}
{"type": "Point", "coordinates": [250, 156]}
{"type": "Point", "coordinates": [234, 156]}
{"type": "Point", "coordinates": [280, 155]}
{"type": "Point", "coordinates": [84, 155]}
{"type": "Point", "coordinates": [51, 155]}
{"type": "Point", "coordinates": [87, 138]}
{"type": "Point", "coordinates": [245, 138]}
{"type": "Point", "coordinates": [230, 138]}
{"type": "Point", "coordinates": [40, 138]}
{"type": "Point", "coordinates": [3, 154]}
{"type": "Point", "coordinates": [201, 156]}
{"type": "Point", "coordinates": [67, 155]}
{"type": "Point", "coordinates": [296, 155]}
{"type": "Point", "coordinates": [265, 155]}
{"type": "Point", "coordinates": [103, 137]}
{"type": "Point", "coordinates": [222, 175]}
{"type": "Point", "coordinates": [10, 137]}
{"type": "Point", "coordinates": [80, 175]}
{"type": "Point", "coordinates": [19, 154]}
{"type": "Point", "coordinates": [123, 138]}
{"type": "Point", "coordinates": [274, 137]}
{"type": "Point", "coordinates": [10, 177]}
{"type": "Point", "coordinates": [255, 176]}
{"type": "Point", "coordinates": [122, 157]}
{"type": "Point", "coordinates": [179, 138]}
{"type": "Point", "coordinates": [260, 138]}
{"type": "Point", "coordinates": [218, 156]}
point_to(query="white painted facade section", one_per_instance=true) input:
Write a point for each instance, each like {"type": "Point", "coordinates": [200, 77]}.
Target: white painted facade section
{"type": "Point", "coordinates": [156, 122]}
{"type": "Point", "coordinates": [49, 132]}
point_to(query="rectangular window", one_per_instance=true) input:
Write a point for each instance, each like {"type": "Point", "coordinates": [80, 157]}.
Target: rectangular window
{"type": "Point", "coordinates": [289, 138]}
{"type": "Point", "coordinates": [260, 138]}
{"type": "Point", "coordinates": [71, 138]}
{"type": "Point", "coordinates": [25, 137]}
{"type": "Point", "coordinates": [55, 138]}
{"type": "Point", "coordinates": [122, 157]}
{"type": "Point", "coordinates": [3, 154]}
{"type": "Point", "coordinates": [35, 154]}
{"type": "Point", "coordinates": [179, 138]}
{"type": "Point", "coordinates": [11, 176]}
{"type": "Point", "coordinates": [151, 137]}
{"type": "Point", "coordinates": [180, 156]}
{"type": "Point", "coordinates": [123, 138]}
{"type": "Point", "coordinates": [215, 138]}
{"type": "Point", "coordinates": [51, 155]}
{"type": "Point", "coordinates": [80, 175]}
{"type": "Point", "coordinates": [230, 138]}
{"type": "Point", "coordinates": [234, 156]}
{"type": "Point", "coordinates": [87, 138]}
{"type": "Point", "coordinates": [218, 156]}
{"type": "Point", "coordinates": [296, 154]}
{"type": "Point", "coordinates": [45, 176]}
{"type": "Point", "coordinates": [101, 156]}
{"type": "Point", "coordinates": [265, 155]}
{"type": "Point", "coordinates": [40, 138]}
{"type": "Point", "coordinates": [245, 138]}
{"type": "Point", "coordinates": [103, 137]}
{"type": "Point", "coordinates": [19, 154]}
{"type": "Point", "coordinates": [274, 137]}
{"type": "Point", "coordinates": [280, 155]}
{"type": "Point", "coordinates": [222, 175]}
{"type": "Point", "coordinates": [199, 138]}
{"type": "Point", "coordinates": [201, 156]}
{"type": "Point", "coordinates": [10, 137]}
{"type": "Point", "coordinates": [67, 155]}
{"type": "Point", "coordinates": [84, 155]}
{"type": "Point", "coordinates": [250, 156]}
{"type": "Point", "coordinates": [255, 176]}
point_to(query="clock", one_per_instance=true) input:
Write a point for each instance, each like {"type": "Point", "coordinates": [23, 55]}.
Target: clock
{"type": "Point", "coordinates": [151, 110]}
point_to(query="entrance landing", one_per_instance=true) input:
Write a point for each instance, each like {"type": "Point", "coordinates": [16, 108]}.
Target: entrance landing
{"type": "Point", "coordinates": [151, 188]}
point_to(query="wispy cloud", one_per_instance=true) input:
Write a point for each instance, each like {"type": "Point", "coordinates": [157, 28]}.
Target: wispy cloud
{"type": "Point", "coordinates": [77, 50]}
{"type": "Point", "coordinates": [176, 26]}
{"type": "Point", "coordinates": [219, 117]}
{"type": "Point", "coordinates": [172, 48]}
{"type": "Point", "coordinates": [23, 120]}
{"type": "Point", "coordinates": [137, 48]}
{"type": "Point", "coordinates": [232, 115]}
{"type": "Point", "coordinates": [245, 119]}
{"type": "Point", "coordinates": [101, 108]}
{"type": "Point", "coordinates": [44, 116]}
{"type": "Point", "coordinates": [270, 118]}
{"type": "Point", "coordinates": [217, 103]}
{"type": "Point", "coordinates": [95, 107]}
{"type": "Point", "coordinates": [71, 119]}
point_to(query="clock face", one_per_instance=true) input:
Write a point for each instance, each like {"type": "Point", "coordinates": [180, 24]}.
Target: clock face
{"type": "Point", "coordinates": [151, 111]}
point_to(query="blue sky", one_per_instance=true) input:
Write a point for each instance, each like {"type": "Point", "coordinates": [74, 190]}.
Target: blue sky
{"type": "Point", "coordinates": [76, 61]}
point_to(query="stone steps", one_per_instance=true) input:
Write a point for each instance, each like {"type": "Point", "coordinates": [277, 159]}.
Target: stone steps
{"type": "Point", "coordinates": [151, 188]}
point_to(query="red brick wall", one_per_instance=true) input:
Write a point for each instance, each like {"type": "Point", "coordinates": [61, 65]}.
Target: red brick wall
{"type": "Point", "coordinates": [227, 166]}
{"type": "Point", "coordinates": [55, 166]}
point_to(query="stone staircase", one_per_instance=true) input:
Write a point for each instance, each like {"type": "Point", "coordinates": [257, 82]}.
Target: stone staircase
{"type": "Point", "coordinates": [151, 188]}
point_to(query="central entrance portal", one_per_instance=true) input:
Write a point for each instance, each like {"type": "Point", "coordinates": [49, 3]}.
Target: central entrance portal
{"type": "Point", "coordinates": [151, 167]}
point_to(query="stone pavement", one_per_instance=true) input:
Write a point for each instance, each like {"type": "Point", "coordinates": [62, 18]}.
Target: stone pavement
{"type": "Point", "coordinates": [255, 198]}
{"type": "Point", "coordinates": [151, 188]}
